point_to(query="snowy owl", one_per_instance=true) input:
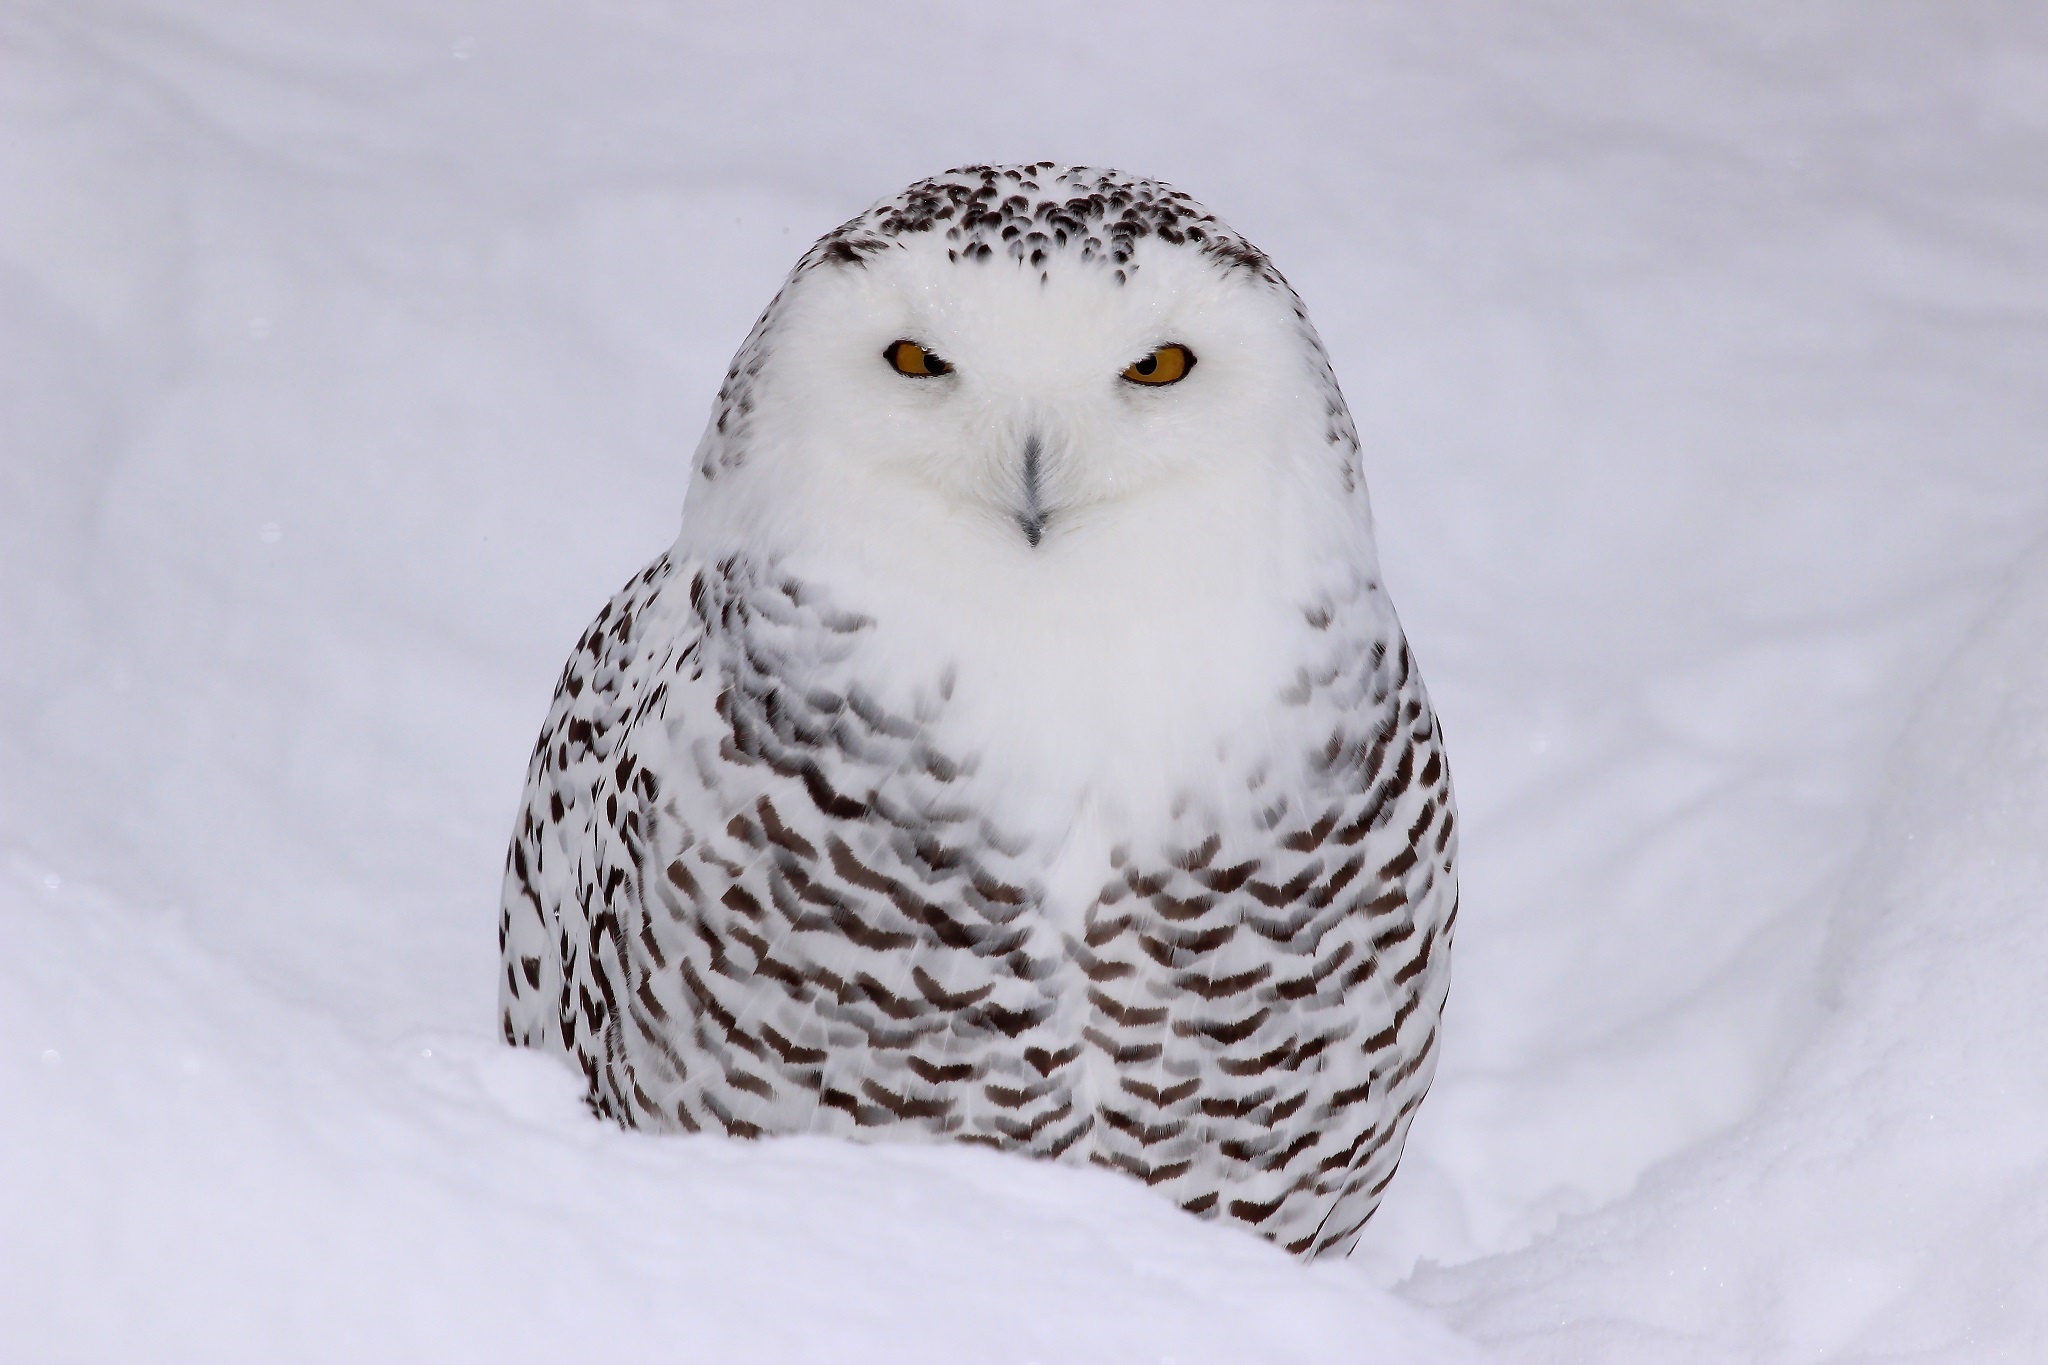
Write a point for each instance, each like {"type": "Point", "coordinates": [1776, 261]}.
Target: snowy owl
{"type": "Point", "coordinates": [1017, 745]}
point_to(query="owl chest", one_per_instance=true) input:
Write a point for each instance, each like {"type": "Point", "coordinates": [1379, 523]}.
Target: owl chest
{"type": "Point", "coordinates": [838, 935]}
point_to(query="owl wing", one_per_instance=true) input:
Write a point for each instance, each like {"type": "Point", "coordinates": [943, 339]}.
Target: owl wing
{"type": "Point", "coordinates": [1270, 988]}
{"type": "Point", "coordinates": [552, 925]}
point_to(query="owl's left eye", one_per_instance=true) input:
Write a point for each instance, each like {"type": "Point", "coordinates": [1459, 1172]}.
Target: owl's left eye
{"type": "Point", "coordinates": [1167, 365]}
{"type": "Point", "coordinates": [907, 357]}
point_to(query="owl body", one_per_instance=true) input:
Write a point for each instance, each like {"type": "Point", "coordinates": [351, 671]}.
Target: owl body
{"type": "Point", "coordinates": [1016, 754]}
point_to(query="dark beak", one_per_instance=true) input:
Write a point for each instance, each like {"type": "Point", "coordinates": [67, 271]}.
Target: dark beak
{"type": "Point", "coordinates": [1034, 516]}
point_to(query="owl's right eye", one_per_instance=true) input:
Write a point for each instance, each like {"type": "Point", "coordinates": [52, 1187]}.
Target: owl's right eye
{"type": "Point", "coordinates": [907, 357]}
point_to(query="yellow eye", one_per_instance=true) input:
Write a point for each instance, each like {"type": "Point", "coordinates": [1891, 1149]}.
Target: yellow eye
{"type": "Point", "coordinates": [907, 357]}
{"type": "Point", "coordinates": [1167, 365]}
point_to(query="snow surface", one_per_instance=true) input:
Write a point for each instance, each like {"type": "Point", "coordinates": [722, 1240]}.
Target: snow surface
{"type": "Point", "coordinates": [351, 355]}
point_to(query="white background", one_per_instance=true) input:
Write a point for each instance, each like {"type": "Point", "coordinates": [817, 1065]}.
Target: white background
{"type": "Point", "coordinates": [351, 355]}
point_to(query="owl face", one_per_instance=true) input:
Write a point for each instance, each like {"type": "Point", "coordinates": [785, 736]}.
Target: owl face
{"type": "Point", "coordinates": [1026, 403]}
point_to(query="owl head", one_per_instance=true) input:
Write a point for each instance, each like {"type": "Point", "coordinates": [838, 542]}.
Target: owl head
{"type": "Point", "coordinates": [1016, 359]}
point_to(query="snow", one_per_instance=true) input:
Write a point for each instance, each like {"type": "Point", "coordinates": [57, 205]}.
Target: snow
{"type": "Point", "coordinates": [350, 356]}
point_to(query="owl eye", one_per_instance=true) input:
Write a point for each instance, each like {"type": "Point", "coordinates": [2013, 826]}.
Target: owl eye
{"type": "Point", "coordinates": [1167, 365]}
{"type": "Point", "coordinates": [907, 357]}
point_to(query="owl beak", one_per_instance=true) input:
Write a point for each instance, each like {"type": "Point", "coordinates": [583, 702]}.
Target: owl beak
{"type": "Point", "coordinates": [1031, 518]}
